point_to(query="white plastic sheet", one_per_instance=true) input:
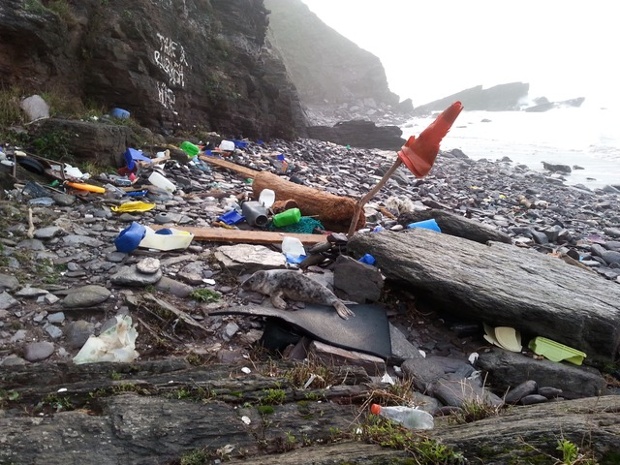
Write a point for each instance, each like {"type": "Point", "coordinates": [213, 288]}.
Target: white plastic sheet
{"type": "Point", "coordinates": [115, 344]}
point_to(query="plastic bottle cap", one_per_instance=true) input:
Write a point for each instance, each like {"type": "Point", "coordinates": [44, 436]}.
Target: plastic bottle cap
{"type": "Point", "coordinates": [375, 409]}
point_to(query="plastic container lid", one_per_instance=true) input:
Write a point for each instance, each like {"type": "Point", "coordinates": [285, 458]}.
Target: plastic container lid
{"type": "Point", "coordinates": [375, 409]}
{"type": "Point", "coordinates": [267, 197]}
{"type": "Point", "coordinates": [555, 351]}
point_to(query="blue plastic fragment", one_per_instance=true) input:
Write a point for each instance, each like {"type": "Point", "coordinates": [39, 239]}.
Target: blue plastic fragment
{"type": "Point", "coordinates": [137, 193]}
{"type": "Point", "coordinates": [231, 217]}
{"type": "Point", "coordinates": [133, 155]}
{"type": "Point", "coordinates": [294, 259]}
{"type": "Point", "coordinates": [367, 259]}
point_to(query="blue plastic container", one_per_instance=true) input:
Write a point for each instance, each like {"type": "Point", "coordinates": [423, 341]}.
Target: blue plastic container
{"type": "Point", "coordinates": [119, 113]}
{"type": "Point", "coordinates": [129, 238]}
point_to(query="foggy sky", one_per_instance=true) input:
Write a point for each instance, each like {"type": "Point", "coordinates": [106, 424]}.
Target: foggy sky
{"type": "Point", "coordinates": [431, 49]}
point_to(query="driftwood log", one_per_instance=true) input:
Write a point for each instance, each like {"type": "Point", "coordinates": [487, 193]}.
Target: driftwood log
{"type": "Point", "coordinates": [163, 412]}
{"type": "Point", "coordinates": [457, 226]}
{"type": "Point", "coordinates": [334, 212]}
{"type": "Point", "coordinates": [503, 285]}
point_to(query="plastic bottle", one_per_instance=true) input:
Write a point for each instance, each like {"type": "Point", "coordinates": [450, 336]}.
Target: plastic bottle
{"type": "Point", "coordinates": [287, 217]}
{"type": "Point", "coordinates": [409, 417]}
{"type": "Point", "coordinates": [190, 149]}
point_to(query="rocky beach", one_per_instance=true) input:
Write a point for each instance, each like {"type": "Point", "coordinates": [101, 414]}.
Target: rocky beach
{"type": "Point", "coordinates": [64, 280]}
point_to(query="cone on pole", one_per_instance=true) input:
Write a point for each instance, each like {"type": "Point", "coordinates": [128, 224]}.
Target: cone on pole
{"type": "Point", "coordinates": [419, 154]}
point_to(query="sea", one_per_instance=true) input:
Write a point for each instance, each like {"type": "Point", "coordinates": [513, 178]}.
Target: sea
{"type": "Point", "coordinates": [585, 136]}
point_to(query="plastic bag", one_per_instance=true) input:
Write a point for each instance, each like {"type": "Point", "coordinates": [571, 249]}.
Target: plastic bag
{"type": "Point", "coordinates": [115, 344]}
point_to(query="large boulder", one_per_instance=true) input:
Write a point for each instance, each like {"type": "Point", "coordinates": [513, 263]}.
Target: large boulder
{"type": "Point", "coordinates": [502, 285]}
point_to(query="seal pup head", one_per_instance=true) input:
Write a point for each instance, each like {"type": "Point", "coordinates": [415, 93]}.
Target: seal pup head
{"type": "Point", "coordinates": [257, 282]}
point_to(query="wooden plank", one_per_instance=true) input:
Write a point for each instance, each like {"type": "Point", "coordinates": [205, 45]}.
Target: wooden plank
{"type": "Point", "coordinates": [246, 172]}
{"type": "Point", "coordinates": [246, 236]}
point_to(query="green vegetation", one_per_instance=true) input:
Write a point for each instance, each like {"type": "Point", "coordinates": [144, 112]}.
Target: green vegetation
{"type": "Point", "coordinates": [265, 409]}
{"type": "Point", "coordinates": [57, 402]}
{"type": "Point", "coordinates": [273, 397]}
{"type": "Point", "coordinates": [474, 410]}
{"type": "Point", "coordinates": [425, 451]}
{"type": "Point", "coordinates": [571, 455]}
{"type": "Point", "coordinates": [205, 295]}
{"type": "Point", "coordinates": [194, 457]}
{"type": "Point", "coordinates": [7, 396]}
{"type": "Point", "coordinates": [54, 145]}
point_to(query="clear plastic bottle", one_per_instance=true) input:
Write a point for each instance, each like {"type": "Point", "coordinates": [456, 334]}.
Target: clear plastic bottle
{"type": "Point", "coordinates": [409, 417]}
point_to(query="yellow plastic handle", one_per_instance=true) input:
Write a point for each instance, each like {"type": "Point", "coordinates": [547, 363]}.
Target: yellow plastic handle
{"type": "Point", "coordinates": [86, 187]}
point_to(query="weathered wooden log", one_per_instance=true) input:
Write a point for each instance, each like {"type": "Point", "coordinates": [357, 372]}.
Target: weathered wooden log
{"type": "Point", "coordinates": [503, 285]}
{"type": "Point", "coordinates": [454, 225]}
{"type": "Point", "coordinates": [335, 212]}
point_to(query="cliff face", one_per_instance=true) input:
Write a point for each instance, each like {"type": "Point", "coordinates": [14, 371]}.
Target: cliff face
{"type": "Point", "coordinates": [172, 64]}
{"type": "Point", "coordinates": [327, 68]}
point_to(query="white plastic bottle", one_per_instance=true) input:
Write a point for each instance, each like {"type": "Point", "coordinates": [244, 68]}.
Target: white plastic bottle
{"type": "Point", "coordinates": [409, 417]}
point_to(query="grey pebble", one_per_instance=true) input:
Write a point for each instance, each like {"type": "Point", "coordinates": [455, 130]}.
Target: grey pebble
{"type": "Point", "coordinates": [37, 351]}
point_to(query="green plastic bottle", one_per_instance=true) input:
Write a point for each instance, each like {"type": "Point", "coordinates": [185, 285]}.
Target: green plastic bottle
{"type": "Point", "coordinates": [287, 217]}
{"type": "Point", "coordinates": [190, 149]}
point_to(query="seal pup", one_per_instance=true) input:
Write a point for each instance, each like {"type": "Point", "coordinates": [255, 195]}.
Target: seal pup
{"type": "Point", "coordinates": [294, 285]}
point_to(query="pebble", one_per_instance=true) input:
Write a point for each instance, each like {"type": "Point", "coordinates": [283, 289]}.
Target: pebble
{"type": "Point", "coordinates": [131, 276]}
{"type": "Point", "coordinates": [54, 331]}
{"type": "Point", "coordinates": [78, 332]}
{"type": "Point", "coordinates": [86, 296]}
{"type": "Point", "coordinates": [149, 265]}
{"type": "Point", "coordinates": [7, 301]}
{"type": "Point", "coordinates": [37, 351]}
{"type": "Point", "coordinates": [56, 318]}
{"type": "Point", "coordinates": [8, 282]}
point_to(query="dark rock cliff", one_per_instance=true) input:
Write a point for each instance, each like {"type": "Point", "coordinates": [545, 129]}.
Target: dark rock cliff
{"type": "Point", "coordinates": [173, 64]}
{"type": "Point", "coordinates": [328, 69]}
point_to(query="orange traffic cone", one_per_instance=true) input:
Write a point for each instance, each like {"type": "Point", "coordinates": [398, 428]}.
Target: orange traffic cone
{"type": "Point", "coordinates": [417, 154]}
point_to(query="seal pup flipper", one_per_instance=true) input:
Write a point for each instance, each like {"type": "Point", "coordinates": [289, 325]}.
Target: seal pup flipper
{"type": "Point", "coordinates": [277, 300]}
{"type": "Point", "coordinates": [343, 311]}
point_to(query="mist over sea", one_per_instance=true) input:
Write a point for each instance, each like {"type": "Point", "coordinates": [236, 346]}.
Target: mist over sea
{"type": "Point", "coordinates": [587, 136]}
